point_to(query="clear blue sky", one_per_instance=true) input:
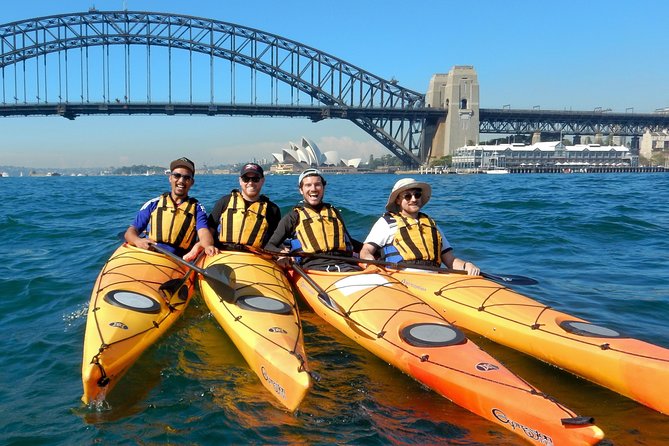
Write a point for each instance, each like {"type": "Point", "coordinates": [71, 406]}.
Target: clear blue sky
{"type": "Point", "coordinates": [553, 54]}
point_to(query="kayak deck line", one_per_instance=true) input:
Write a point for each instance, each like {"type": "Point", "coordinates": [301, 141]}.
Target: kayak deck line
{"type": "Point", "coordinates": [459, 336]}
{"type": "Point", "coordinates": [605, 356]}
{"type": "Point", "coordinates": [136, 297]}
{"type": "Point", "coordinates": [440, 356]}
{"type": "Point", "coordinates": [575, 326]}
{"type": "Point", "coordinates": [261, 318]}
{"type": "Point", "coordinates": [252, 302]}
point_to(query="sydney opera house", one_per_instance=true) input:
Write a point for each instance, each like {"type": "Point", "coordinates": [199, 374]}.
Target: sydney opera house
{"type": "Point", "coordinates": [297, 158]}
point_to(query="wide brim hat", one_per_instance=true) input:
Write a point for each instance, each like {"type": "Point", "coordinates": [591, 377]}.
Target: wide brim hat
{"type": "Point", "coordinates": [406, 184]}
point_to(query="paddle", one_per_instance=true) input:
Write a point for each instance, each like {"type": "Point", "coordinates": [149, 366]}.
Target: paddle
{"type": "Point", "coordinates": [218, 277]}
{"type": "Point", "coordinates": [507, 279]}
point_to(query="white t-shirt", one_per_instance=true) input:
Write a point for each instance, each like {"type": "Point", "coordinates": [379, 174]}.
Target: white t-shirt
{"type": "Point", "coordinates": [383, 234]}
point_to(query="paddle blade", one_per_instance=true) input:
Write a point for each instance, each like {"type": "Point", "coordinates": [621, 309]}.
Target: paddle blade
{"type": "Point", "coordinates": [175, 287]}
{"type": "Point", "coordinates": [221, 279]}
{"type": "Point", "coordinates": [510, 279]}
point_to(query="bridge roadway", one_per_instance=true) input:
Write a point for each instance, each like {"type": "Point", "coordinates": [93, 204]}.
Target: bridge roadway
{"type": "Point", "coordinates": [493, 120]}
{"type": "Point", "coordinates": [508, 121]}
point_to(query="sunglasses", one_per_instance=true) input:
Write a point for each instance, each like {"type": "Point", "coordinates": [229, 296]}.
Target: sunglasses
{"type": "Point", "coordinates": [416, 194]}
{"type": "Point", "coordinates": [251, 179]}
{"type": "Point", "coordinates": [178, 176]}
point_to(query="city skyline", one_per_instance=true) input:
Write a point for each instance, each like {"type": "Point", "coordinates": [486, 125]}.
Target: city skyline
{"type": "Point", "coordinates": [575, 55]}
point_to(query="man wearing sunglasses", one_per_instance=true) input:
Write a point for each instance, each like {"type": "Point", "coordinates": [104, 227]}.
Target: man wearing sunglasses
{"type": "Point", "coordinates": [405, 235]}
{"type": "Point", "coordinates": [173, 219]}
{"type": "Point", "coordinates": [315, 227]}
{"type": "Point", "coordinates": [244, 217]}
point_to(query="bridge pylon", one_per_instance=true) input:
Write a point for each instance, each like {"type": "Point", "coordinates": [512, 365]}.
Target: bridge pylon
{"type": "Point", "coordinates": [458, 92]}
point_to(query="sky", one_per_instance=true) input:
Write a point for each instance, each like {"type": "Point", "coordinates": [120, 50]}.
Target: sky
{"type": "Point", "coordinates": [554, 55]}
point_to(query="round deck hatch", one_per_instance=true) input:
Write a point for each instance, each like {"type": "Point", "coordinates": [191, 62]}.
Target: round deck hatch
{"type": "Point", "coordinates": [263, 303]}
{"type": "Point", "coordinates": [432, 335]}
{"type": "Point", "coordinates": [132, 301]}
{"type": "Point", "coordinates": [587, 329]}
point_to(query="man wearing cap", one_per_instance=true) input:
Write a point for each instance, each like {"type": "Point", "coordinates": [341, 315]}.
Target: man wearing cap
{"type": "Point", "coordinates": [244, 216]}
{"type": "Point", "coordinates": [173, 219]}
{"type": "Point", "coordinates": [405, 235]}
{"type": "Point", "coordinates": [315, 227]}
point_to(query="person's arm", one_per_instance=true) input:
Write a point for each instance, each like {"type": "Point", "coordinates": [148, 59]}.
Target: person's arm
{"type": "Point", "coordinates": [273, 219]}
{"type": "Point", "coordinates": [368, 250]}
{"type": "Point", "coordinates": [380, 235]}
{"type": "Point", "coordinates": [284, 229]}
{"type": "Point", "coordinates": [452, 262]}
{"type": "Point", "coordinates": [132, 234]}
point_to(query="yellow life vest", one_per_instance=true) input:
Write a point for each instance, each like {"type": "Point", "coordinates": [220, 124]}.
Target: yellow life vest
{"type": "Point", "coordinates": [174, 224]}
{"type": "Point", "coordinates": [320, 231]}
{"type": "Point", "coordinates": [244, 225]}
{"type": "Point", "coordinates": [417, 240]}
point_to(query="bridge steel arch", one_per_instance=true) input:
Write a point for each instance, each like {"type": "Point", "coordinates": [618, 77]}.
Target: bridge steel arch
{"type": "Point", "coordinates": [40, 57]}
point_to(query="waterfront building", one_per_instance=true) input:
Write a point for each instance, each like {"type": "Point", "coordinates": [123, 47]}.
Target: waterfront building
{"type": "Point", "coordinates": [550, 154]}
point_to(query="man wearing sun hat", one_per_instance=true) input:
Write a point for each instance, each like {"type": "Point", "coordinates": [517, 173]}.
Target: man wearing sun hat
{"type": "Point", "coordinates": [315, 227]}
{"type": "Point", "coordinates": [244, 217]}
{"type": "Point", "coordinates": [173, 219]}
{"type": "Point", "coordinates": [405, 235]}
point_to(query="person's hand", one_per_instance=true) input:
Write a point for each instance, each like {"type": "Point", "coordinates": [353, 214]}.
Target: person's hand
{"type": "Point", "coordinates": [283, 262]}
{"type": "Point", "coordinates": [144, 243]}
{"type": "Point", "coordinates": [211, 250]}
{"type": "Point", "coordinates": [472, 270]}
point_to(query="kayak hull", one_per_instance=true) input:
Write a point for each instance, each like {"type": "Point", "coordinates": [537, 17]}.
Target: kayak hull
{"type": "Point", "coordinates": [386, 319]}
{"type": "Point", "coordinates": [602, 355]}
{"type": "Point", "coordinates": [263, 322]}
{"type": "Point", "coordinates": [137, 296]}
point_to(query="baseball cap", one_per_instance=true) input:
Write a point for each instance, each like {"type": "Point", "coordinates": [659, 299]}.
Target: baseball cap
{"type": "Point", "coordinates": [183, 162]}
{"type": "Point", "coordinates": [252, 168]}
{"type": "Point", "coordinates": [308, 173]}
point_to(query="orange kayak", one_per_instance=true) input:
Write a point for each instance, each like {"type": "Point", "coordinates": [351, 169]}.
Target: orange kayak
{"type": "Point", "coordinates": [602, 355]}
{"type": "Point", "coordinates": [262, 319]}
{"type": "Point", "coordinates": [383, 316]}
{"type": "Point", "coordinates": [137, 296]}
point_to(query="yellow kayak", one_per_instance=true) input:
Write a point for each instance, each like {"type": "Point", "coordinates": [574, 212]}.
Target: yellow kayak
{"type": "Point", "coordinates": [384, 317]}
{"type": "Point", "coordinates": [634, 368]}
{"type": "Point", "coordinates": [137, 296]}
{"type": "Point", "coordinates": [262, 319]}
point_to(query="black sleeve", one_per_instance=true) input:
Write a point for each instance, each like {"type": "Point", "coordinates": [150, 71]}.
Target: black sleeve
{"type": "Point", "coordinates": [215, 216]}
{"type": "Point", "coordinates": [284, 229]}
{"type": "Point", "coordinates": [273, 218]}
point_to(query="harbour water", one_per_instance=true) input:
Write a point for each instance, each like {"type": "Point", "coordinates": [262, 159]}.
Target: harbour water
{"type": "Point", "coordinates": [597, 243]}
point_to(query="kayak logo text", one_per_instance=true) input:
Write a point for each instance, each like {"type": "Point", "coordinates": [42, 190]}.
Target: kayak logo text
{"type": "Point", "coordinates": [413, 285]}
{"type": "Point", "coordinates": [277, 387]}
{"type": "Point", "coordinates": [531, 433]}
{"type": "Point", "coordinates": [118, 325]}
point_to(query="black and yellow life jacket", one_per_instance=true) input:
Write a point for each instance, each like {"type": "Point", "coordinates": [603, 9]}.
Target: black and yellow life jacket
{"type": "Point", "coordinates": [174, 224]}
{"type": "Point", "coordinates": [241, 224]}
{"type": "Point", "coordinates": [414, 240]}
{"type": "Point", "coordinates": [322, 231]}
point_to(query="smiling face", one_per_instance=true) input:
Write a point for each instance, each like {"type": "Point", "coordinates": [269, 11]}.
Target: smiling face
{"type": "Point", "coordinates": [410, 201]}
{"type": "Point", "coordinates": [181, 180]}
{"type": "Point", "coordinates": [312, 190]}
{"type": "Point", "coordinates": [250, 184]}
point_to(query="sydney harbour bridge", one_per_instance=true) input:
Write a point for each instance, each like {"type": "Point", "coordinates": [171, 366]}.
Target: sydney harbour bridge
{"type": "Point", "coordinates": [125, 62]}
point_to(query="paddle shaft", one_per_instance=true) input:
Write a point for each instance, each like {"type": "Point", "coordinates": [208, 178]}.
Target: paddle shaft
{"type": "Point", "coordinates": [506, 279]}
